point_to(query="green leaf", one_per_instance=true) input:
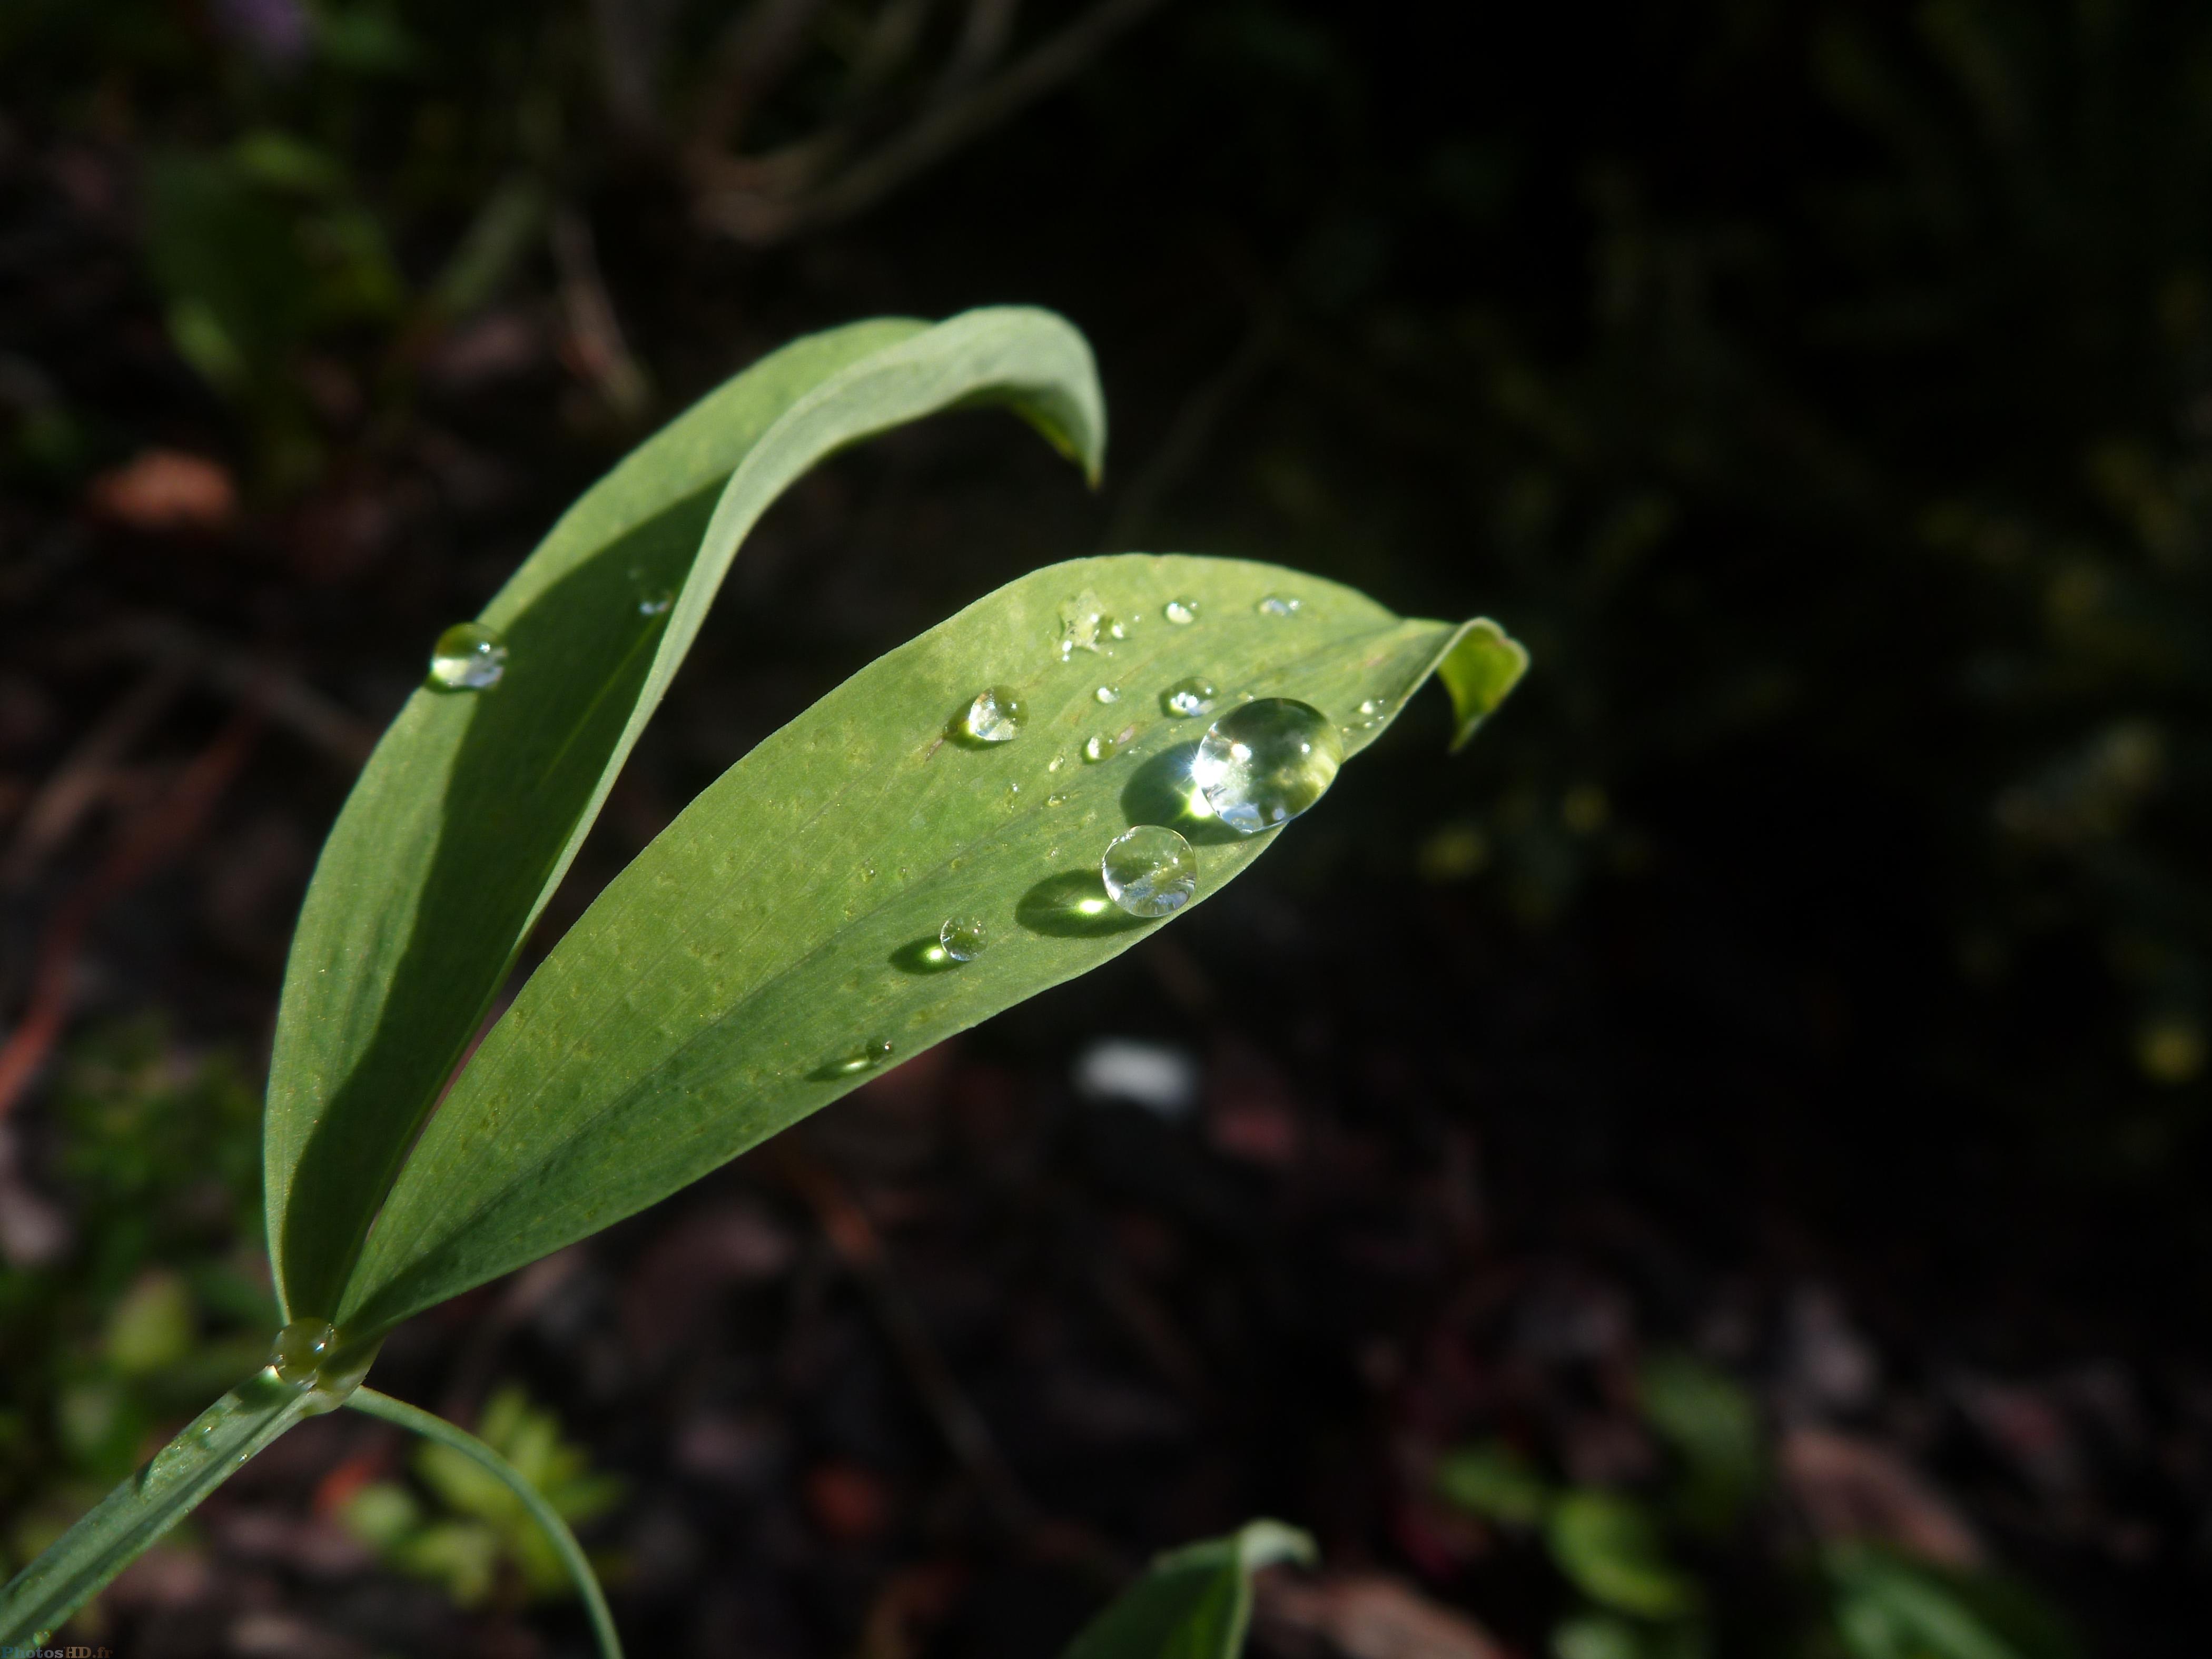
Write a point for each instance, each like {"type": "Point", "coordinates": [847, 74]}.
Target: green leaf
{"type": "Point", "coordinates": [1492, 1480]}
{"type": "Point", "coordinates": [473, 804]}
{"type": "Point", "coordinates": [1608, 1548]}
{"type": "Point", "coordinates": [1889, 1608]}
{"type": "Point", "coordinates": [1712, 1422]}
{"type": "Point", "coordinates": [1194, 1603]}
{"type": "Point", "coordinates": [734, 979]}
{"type": "Point", "coordinates": [132, 1517]}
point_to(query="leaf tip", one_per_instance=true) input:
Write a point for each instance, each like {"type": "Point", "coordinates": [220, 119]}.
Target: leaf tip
{"type": "Point", "coordinates": [1479, 671]}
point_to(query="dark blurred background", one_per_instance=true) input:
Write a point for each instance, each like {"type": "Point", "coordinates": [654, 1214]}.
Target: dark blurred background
{"type": "Point", "coordinates": [1708, 1170]}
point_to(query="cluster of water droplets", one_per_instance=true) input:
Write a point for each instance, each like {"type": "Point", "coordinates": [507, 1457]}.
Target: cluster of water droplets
{"type": "Point", "coordinates": [1187, 697]}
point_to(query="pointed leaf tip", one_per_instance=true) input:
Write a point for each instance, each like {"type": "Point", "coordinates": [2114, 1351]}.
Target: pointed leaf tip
{"type": "Point", "coordinates": [1481, 671]}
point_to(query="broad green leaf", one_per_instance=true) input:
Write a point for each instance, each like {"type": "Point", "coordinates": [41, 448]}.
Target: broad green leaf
{"type": "Point", "coordinates": [1194, 1603]}
{"type": "Point", "coordinates": [137, 1512]}
{"type": "Point", "coordinates": [473, 804]}
{"type": "Point", "coordinates": [1608, 1548]}
{"type": "Point", "coordinates": [789, 918]}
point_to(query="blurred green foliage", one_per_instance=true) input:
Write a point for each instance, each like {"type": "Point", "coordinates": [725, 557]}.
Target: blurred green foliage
{"type": "Point", "coordinates": [158, 1301]}
{"type": "Point", "coordinates": [474, 1537]}
{"type": "Point", "coordinates": [1649, 1580]}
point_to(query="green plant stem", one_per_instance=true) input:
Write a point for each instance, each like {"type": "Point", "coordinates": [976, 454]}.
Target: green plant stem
{"type": "Point", "coordinates": [431, 1427]}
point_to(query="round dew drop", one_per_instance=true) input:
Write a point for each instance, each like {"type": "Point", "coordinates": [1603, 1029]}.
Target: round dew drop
{"type": "Point", "coordinates": [656, 605]}
{"type": "Point", "coordinates": [1098, 749]}
{"type": "Point", "coordinates": [963, 938]}
{"type": "Point", "coordinates": [1149, 871]}
{"type": "Point", "coordinates": [865, 1058]}
{"type": "Point", "coordinates": [1264, 763]}
{"type": "Point", "coordinates": [1276, 604]}
{"type": "Point", "coordinates": [995, 716]}
{"type": "Point", "coordinates": [468, 657]}
{"type": "Point", "coordinates": [1181, 612]}
{"type": "Point", "coordinates": [298, 1353]}
{"type": "Point", "coordinates": [1108, 694]}
{"type": "Point", "coordinates": [1184, 698]}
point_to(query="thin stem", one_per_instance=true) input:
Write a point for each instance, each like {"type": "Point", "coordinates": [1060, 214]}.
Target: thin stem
{"type": "Point", "coordinates": [432, 1427]}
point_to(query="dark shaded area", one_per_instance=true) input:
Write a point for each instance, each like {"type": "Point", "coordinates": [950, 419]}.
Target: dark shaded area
{"type": "Point", "coordinates": [1807, 969]}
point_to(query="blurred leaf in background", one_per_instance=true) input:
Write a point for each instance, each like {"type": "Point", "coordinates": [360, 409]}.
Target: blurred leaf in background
{"type": "Point", "coordinates": [474, 1537]}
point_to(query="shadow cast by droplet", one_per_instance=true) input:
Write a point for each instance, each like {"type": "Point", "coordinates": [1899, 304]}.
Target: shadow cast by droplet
{"type": "Point", "coordinates": [1159, 792]}
{"type": "Point", "coordinates": [1072, 905]}
{"type": "Point", "coordinates": [923, 956]}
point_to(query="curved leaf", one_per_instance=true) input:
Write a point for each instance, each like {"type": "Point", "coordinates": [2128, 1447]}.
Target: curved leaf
{"type": "Point", "coordinates": [473, 804]}
{"type": "Point", "coordinates": [127, 1522]}
{"type": "Point", "coordinates": [731, 980]}
{"type": "Point", "coordinates": [1194, 1603]}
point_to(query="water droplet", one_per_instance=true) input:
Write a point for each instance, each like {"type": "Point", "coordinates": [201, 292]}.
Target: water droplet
{"type": "Point", "coordinates": [1265, 763]}
{"type": "Point", "coordinates": [1181, 612]}
{"type": "Point", "coordinates": [963, 938]}
{"type": "Point", "coordinates": [1371, 707]}
{"type": "Point", "coordinates": [1080, 620]}
{"type": "Point", "coordinates": [1115, 629]}
{"type": "Point", "coordinates": [468, 657]}
{"type": "Point", "coordinates": [656, 604]}
{"type": "Point", "coordinates": [865, 1058]}
{"type": "Point", "coordinates": [1013, 789]}
{"type": "Point", "coordinates": [1277, 605]}
{"type": "Point", "coordinates": [1184, 698]}
{"type": "Point", "coordinates": [1108, 694]}
{"type": "Point", "coordinates": [1058, 761]}
{"type": "Point", "coordinates": [995, 716]}
{"type": "Point", "coordinates": [867, 873]}
{"type": "Point", "coordinates": [298, 1353]}
{"type": "Point", "coordinates": [1099, 748]}
{"type": "Point", "coordinates": [1056, 801]}
{"type": "Point", "coordinates": [1149, 871]}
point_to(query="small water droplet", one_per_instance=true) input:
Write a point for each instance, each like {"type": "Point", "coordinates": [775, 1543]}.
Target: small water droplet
{"type": "Point", "coordinates": [1013, 789]}
{"type": "Point", "coordinates": [1263, 764]}
{"type": "Point", "coordinates": [1114, 629]}
{"type": "Point", "coordinates": [867, 873]}
{"type": "Point", "coordinates": [1056, 801]}
{"type": "Point", "coordinates": [298, 1353]}
{"type": "Point", "coordinates": [656, 604]}
{"type": "Point", "coordinates": [1277, 605]}
{"type": "Point", "coordinates": [1099, 748]}
{"type": "Point", "coordinates": [1058, 761]}
{"type": "Point", "coordinates": [1108, 694]}
{"type": "Point", "coordinates": [963, 938]}
{"type": "Point", "coordinates": [1371, 707]}
{"type": "Point", "coordinates": [1184, 698]}
{"type": "Point", "coordinates": [1149, 871]}
{"type": "Point", "coordinates": [865, 1058]}
{"type": "Point", "coordinates": [468, 657]}
{"type": "Point", "coordinates": [995, 716]}
{"type": "Point", "coordinates": [1181, 612]}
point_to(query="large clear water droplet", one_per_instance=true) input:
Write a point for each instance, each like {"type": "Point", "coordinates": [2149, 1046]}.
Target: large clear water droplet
{"type": "Point", "coordinates": [1265, 763]}
{"type": "Point", "coordinates": [1278, 604]}
{"type": "Point", "coordinates": [1108, 694]}
{"type": "Point", "coordinates": [1099, 748]}
{"type": "Point", "coordinates": [1181, 612]}
{"type": "Point", "coordinates": [468, 657]}
{"type": "Point", "coordinates": [963, 938]}
{"type": "Point", "coordinates": [1149, 871]}
{"type": "Point", "coordinates": [865, 1058]}
{"type": "Point", "coordinates": [995, 716]}
{"type": "Point", "coordinates": [1184, 698]}
{"type": "Point", "coordinates": [298, 1353]}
